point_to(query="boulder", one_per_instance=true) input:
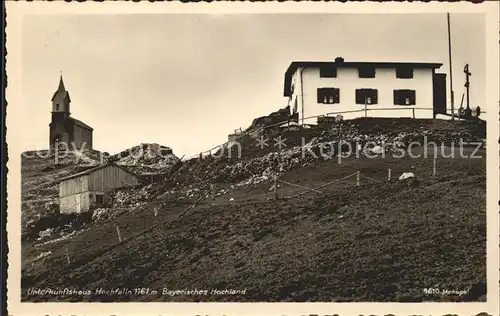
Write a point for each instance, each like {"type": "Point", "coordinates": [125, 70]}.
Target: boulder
{"type": "Point", "coordinates": [406, 175]}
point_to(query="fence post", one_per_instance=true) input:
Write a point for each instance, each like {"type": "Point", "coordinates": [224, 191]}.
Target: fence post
{"type": "Point", "coordinates": [275, 187]}
{"type": "Point", "coordinates": [366, 108]}
{"type": "Point", "coordinates": [67, 256]}
{"type": "Point", "coordinates": [434, 166]}
{"type": "Point", "coordinates": [118, 233]}
{"type": "Point", "coordinates": [413, 111]}
{"type": "Point", "coordinates": [357, 178]}
{"type": "Point", "coordinates": [56, 152]}
{"type": "Point", "coordinates": [389, 174]}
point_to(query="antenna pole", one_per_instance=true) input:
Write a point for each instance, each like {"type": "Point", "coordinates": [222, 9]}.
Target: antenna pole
{"type": "Point", "coordinates": [467, 84]}
{"type": "Point", "coordinates": [452, 96]}
{"type": "Point", "coordinates": [468, 111]}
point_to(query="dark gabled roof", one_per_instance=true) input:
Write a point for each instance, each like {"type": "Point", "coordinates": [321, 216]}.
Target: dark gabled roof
{"type": "Point", "coordinates": [89, 171]}
{"type": "Point", "coordinates": [61, 89]}
{"type": "Point", "coordinates": [65, 95]}
{"type": "Point", "coordinates": [81, 124]}
{"type": "Point", "coordinates": [351, 64]}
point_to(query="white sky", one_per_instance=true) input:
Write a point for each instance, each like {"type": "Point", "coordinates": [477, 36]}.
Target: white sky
{"type": "Point", "coordinates": [186, 81]}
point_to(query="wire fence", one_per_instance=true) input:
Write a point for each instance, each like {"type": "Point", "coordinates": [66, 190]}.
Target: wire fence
{"type": "Point", "coordinates": [71, 260]}
{"type": "Point", "coordinates": [238, 133]}
{"type": "Point", "coordinates": [359, 176]}
{"type": "Point", "coordinates": [121, 236]}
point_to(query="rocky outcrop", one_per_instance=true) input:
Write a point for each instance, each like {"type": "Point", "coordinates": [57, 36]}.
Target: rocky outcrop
{"type": "Point", "coordinates": [273, 118]}
{"type": "Point", "coordinates": [146, 159]}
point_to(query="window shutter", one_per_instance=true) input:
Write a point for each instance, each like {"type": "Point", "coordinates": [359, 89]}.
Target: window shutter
{"type": "Point", "coordinates": [412, 97]}
{"type": "Point", "coordinates": [397, 99]}
{"type": "Point", "coordinates": [366, 72]}
{"type": "Point", "coordinates": [359, 96]}
{"type": "Point", "coordinates": [374, 96]}
{"type": "Point", "coordinates": [320, 95]}
{"type": "Point", "coordinates": [328, 71]}
{"type": "Point", "coordinates": [336, 95]}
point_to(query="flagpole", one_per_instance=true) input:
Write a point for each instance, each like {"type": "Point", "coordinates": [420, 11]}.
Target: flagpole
{"type": "Point", "coordinates": [452, 97]}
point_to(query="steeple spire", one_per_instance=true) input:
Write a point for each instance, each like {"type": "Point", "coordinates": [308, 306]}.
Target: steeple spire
{"type": "Point", "coordinates": [61, 84]}
{"type": "Point", "coordinates": [60, 98]}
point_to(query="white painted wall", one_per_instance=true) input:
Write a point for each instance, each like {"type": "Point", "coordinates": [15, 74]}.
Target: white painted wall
{"type": "Point", "coordinates": [75, 203]}
{"type": "Point", "coordinates": [348, 81]}
{"type": "Point", "coordinates": [294, 99]}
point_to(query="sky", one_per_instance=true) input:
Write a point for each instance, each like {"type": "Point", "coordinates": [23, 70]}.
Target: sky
{"type": "Point", "coordinates": [187, 81]}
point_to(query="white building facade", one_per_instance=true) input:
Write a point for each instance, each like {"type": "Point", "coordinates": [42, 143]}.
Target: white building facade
{"type": "Point", "coordinates": [358, 89]}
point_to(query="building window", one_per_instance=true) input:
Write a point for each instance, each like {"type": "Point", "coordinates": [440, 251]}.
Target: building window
{"type": "Point", "coordinates": [328, 95]}
{"type": "Point", "coordinates": [404, 97]}
{"type": "Point", "coordinates": [366, 72]}
{"type": "Point", "coordinates": [99, 199]}
{"type": "Point", "coordinates": [404, 72]}
{"type": "Point", "coordinates": [57, 107]}
{"type": "Point", "coordinates": [328, 72]}
{"type": "Point", "coordinates": [368, 96]}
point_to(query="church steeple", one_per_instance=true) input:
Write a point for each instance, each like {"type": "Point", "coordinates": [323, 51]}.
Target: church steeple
{"type": "Point", "coordinates": [60, 99]}
{"type": "Point", "coordinates": [64, 128]}
{"type": "Point", "coordinates": [61, 87]}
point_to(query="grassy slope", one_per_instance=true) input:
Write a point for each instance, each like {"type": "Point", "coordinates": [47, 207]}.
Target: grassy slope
{"type": "Point", "coordinates": [376, 242]}
{"type": "Point", "coordinates": [38, 189]}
